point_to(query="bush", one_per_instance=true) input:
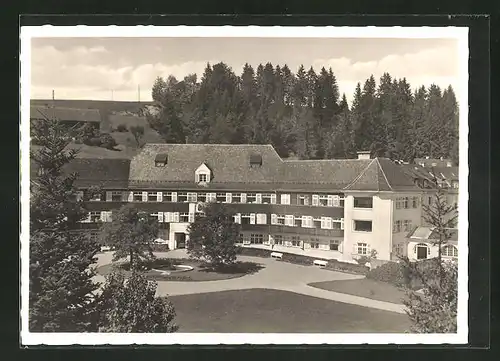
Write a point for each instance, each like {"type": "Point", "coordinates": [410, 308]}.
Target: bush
{"type": "Point", "coordinates": [159, 247]}
{"type": "Point", "coordinates": [93, 142]}
{"type": "Point", "coordinates": [121, 128]}
{"type": "Point", "coordinates": [335, 265]}
{"type": "Point", "coordinates": [107, 141]}
{"type": "Point", "coordinates": [298, 259]}
{"type": "Point", "coordinates": [391, 272]}
{"type": "Point", "coordinates": [254, 252]}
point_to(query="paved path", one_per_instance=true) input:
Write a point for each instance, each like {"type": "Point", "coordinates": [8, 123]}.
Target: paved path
{"type": "Point", "coordinates": [275, 275]}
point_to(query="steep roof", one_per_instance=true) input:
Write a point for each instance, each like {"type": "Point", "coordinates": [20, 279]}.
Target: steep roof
{"type": "Point", "coordinates": [107, 173]}
{"type": "Point", "coordinates": [430, 233]}
{"type": "Point", "coordinates": [65, 114]}
{"type": "Point", "coordinates": [228, 163]}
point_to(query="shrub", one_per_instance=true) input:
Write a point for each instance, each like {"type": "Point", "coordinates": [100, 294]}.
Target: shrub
{"type": "Point", "coordinates": [297, 259]}
{"type": "Point", "coordinates": [335, 265]}
{"type": "Point", "coordinates": [159, 247]}
{"type": "Point", "coordinates": [107, 141]}
{"type": "Point", "coordinates": [121, 128]}
{"type": "Point", "coordinates": [390, 272]}
{"type": "Point", "coordinates": [94, 142]}
{"type": "Point", "coordinates": [254, 252]}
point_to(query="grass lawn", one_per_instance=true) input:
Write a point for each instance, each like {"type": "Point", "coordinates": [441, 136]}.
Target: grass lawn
{"type": "Point", "coordinates": [273, 311]}
{"type": "Point", "coordinates": [200, 273]}
{"type": "Point", "coordinates": [364, 287]}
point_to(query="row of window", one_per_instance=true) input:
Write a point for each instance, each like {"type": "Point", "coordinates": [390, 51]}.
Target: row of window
{"type": "Point", "coordinates": [446, 251]}
{"type": "Point", "coordinates": [402, 226]}
{"type": "Point", "coordinates": [290, 220]}
{"type": "Point", "coordinates": [407, 202]}
{"type": "Point", "coordinates": [290, 241]}
{"type": "Point", "coordinates": [327, 200]}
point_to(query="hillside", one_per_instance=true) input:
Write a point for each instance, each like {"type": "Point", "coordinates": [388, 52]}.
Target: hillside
{"type": "Point", "coordinates": [104, 105]}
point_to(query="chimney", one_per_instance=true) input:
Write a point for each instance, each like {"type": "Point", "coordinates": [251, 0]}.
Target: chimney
{"type": "Point", "coordinates": [364, 154]}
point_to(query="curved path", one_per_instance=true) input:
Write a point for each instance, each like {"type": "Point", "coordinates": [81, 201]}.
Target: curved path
{"type": "Point", "coordinates": [275, 275]}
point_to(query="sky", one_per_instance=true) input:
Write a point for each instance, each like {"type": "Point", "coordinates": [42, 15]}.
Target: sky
{"type": "Point", "coordinates": [114, 68]}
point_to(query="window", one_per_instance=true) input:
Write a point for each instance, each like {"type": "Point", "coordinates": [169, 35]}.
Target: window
{"type": "Point", "coordinates": [397, 227]}
{"type": "Point", "coordinates": [152, 197]}
{"type": "Point", "coordinates": [289, 220]}
{"type": "Point", "coordinates": [184, 217]}
{"type": "Point", "coordinates": [303, 199]}
{"type": "Point", "coordinates": [137, 196]}
{"type": "Point", "coordinates": [245, 218]}
{"type": "Point", "coordinates": [337, 223]}
{"type": "Point", "coordinates": [191, 197]}
{"type": "Point", "coordinates": [285, 199]}
{"type": "Point", "coordinates": [220, 197]}
{"type": "Point", "coordinates": [182, 197]}
{"type": "Point", "coordinates": [241, 237]}
{"type": "Point", "coordinates": [314, 243]}
{"type": "Point", "coordinates": [97, 197]}
{"type": "Point", "coordinates": [407, 225]}
{"type": "Point", "coordinates": [236, 198]}
{"type": "Point", "coordinates": [295, 242]}
{"type": "Point", "coordinates": [398, 249]}
{"type": "Point", "coordinates": [449, 251]}
{"type": "Point", "coordinates": [116, 196]}
{"type": "Point", "coordinates": [278, 239]}
{"type": "Point", "coordinates": [405, 203]}
{"type": "Point", "coordinates": [362, 248]}
{"type": "Point", "coordinates": [202, 178]}
{"type": "Point", "coordinates": [454, 184]}
{"type": "Point", "coordinates": [316, 222]}
{"type": "Point", "coordinates": [334, 245]}
{"type": "Point", "coordinates": [323, 200]}
{"type": "Point", "coordinates": [430, 201]}
{"type": "Point", "coordinates": [251, 198]}
{"type": "Point", "coordinates": [261, 218]}
{"type": "Point", "coordinates": [341, 200]}
{"type": "Point", "coordinates": [202, 197]}
{"type": "Point", "coordinates": [256, 238]}
{"type": "Point", "coordinates": [363, 202]}
{"type": "Point", "coordinates": [414, 202]}
{"type": "Point", "coordinates": [363, 226]}
{"type": "Point", "coordinates": [422, 251]}
{"type": "Point", "coordinates": [266, 198]}
{"type": "Point", "coordinates": [167, 197]}
{"type": "Point", "coordinates": [297, 221]}
{"type": "Point", "coordinates": [95, 217]}
{"type": "Point", "coordinates": [280, 218]}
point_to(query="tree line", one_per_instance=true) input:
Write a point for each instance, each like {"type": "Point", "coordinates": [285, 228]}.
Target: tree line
{"type": "Point", "coordinates": [303, 115]}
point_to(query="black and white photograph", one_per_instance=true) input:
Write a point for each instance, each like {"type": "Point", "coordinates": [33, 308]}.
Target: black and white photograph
{"type": "Point", "coordinates": [244, 185]}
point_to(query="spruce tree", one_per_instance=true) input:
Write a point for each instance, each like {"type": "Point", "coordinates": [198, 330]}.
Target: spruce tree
{"type": "Point", "coordinates": [61, 290]}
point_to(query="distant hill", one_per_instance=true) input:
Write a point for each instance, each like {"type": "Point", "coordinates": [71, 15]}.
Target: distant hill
{"type": "Point", "coordinates": [102, 105]}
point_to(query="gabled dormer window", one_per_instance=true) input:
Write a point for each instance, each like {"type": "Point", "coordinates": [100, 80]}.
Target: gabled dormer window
{"type": "Point", "coordinates": [203, 174]}
{"type": "Point", "coordinates": [161, 160]}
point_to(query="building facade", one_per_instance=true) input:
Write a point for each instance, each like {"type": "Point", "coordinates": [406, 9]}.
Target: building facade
{"type": "Point", "coordinates": [344, 209]}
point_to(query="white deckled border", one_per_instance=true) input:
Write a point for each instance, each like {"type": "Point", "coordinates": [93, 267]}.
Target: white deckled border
{"type": "Point", "coordinates": [459, 33]}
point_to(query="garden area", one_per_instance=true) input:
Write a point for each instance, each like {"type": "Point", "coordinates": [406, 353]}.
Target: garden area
{"type": "Point", "coordinates": [275, 311]}
{"type": "Point", "coordinates": [183, 270]}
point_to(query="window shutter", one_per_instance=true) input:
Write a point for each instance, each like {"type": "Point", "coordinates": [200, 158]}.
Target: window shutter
{"type": "Point", "coordinates": [144, 196]}
{"type": "Point", "coordinates": [289, 220]}
{"type": "Point", "coordinates": [261, 218]}
{"type": "Point", "coordinates": [304, 221]}
{"type": "Point", "coordinates": [79, 196]}
{"type": "Point", "coordinates": [355, 248]}
{"type": "Point", "coordinates": [335, 201]}
{"type": "Point", "coordinates": [243, 197]}
{"type": "Point", "coordinates": [191, 217]}
{"type": "Point", "coordinates": [174, 196]}
{"type": "Point", "coordinates": [196, 178]}
{"type": "Point", "coordinates": [315, 200]}
{"type": "Point", "coordinates": [323, 223]}
{"type": "Point", "coordinates": [415, 249]}
{"type": "Point", "coordinates": [103, 216]}
{"type": "Point", "coordinates": [131, 196]}
{"type": "Point", "coordinates": [258, 198]}
{"type": "Point", "coordinates": [237, 218]}
{"type": "Point", "coordinates": [252, 218]}
{"type": "Point", "coordinates": [176, 216]}
{"type": "Point", "coordinates": [329, 201]}
{"type": "Point", "coordinates": [285, 199]}
{"type": "Point", "coordinates": [342, 223]}
{"type": "Point", "coordinates": [273, 198]}
{"type": "Point", "coordinates": [167, 217]}
{"type": "Point", "coordinates": [229, 198]}
{"type": "Point", "coordinates": [109, 196]}
{"type": "Point", "coordinates": [160, 217]}
{"type": "Point", "coordinates": [159, 196]}
{"type": "Point", "coordinates": [274, 219]}
{"type": "Point", "coordinates": [212, 196]}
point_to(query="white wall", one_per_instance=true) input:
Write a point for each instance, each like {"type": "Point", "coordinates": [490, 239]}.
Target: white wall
{"type": "Point", "coordinates": [434, 250]}
{"type": "Point", "coordinates": [412, 214]}
{"type": "Point", "coordinates": [380, 238]}
{"type": "Point", "coordinates": [176, 228]}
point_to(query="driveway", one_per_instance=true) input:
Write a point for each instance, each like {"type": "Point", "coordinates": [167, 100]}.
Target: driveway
{"type": "Point", "coordinates": [275, 275]}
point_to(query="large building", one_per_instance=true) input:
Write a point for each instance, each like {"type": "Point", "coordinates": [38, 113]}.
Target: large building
{"type": "Point", "coordinates": [344, 209]}
{"type": "Point", "coordinates": [68, 116]}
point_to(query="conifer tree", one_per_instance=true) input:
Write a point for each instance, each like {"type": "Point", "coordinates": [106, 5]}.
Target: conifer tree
{"type": "Point", "coordinates": [61, 290]}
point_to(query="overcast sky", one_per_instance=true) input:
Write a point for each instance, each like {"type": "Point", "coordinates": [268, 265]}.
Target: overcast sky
{"type": "Point", "coordinates": [91, 68]}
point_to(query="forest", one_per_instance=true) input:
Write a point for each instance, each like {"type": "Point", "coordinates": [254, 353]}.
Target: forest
{"type": "Point", "coordinates": [304, 116]}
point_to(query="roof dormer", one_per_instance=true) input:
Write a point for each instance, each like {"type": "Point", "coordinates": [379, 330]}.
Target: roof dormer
{"type": "Point", "coordinates": [161, 160]}
{"type": "Point", "coordinates": [202, 174]}
{"type": "Point", "coordinates": [255, 160]}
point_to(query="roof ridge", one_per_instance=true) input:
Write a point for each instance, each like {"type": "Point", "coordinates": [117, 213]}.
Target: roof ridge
{"type": "Point", "coordinates": [359, 175]}
{"type": "Point", "coordinates": [383, 173]}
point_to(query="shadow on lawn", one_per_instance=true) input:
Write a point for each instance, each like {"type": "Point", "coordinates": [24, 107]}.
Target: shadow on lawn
{"type": "Point", "coordinates": [235, 268]}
